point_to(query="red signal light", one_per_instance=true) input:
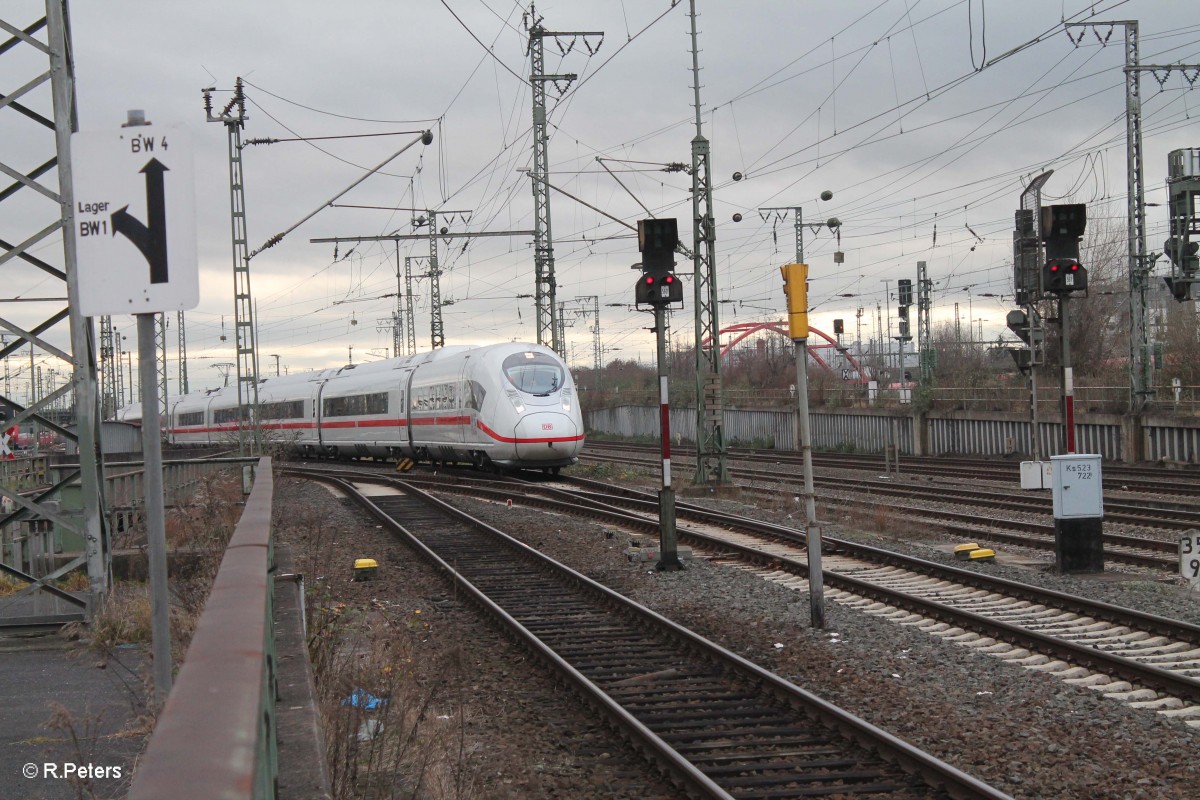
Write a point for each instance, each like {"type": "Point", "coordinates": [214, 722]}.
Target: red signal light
{"type": "Point", "coordinates": [1074, 267]}
{"type": "Point", "coordinates": [649, 280]}
{"type": "Point", "coordinates": [1053, 267]}
{"type": "Point", "coordinates": [669, 279]}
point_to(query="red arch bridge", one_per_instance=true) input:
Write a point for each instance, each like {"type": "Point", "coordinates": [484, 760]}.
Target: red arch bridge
{"type": "Point", "coordinates": [743, 330]}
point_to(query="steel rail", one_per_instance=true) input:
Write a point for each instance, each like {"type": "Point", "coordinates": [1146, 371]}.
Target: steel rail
{"type": "Point", "coordinates": [1130, 669]}
{"type": "Point", "coordinates": [935, 772]}
{"type": "Point", "coordinates": [972, 526]}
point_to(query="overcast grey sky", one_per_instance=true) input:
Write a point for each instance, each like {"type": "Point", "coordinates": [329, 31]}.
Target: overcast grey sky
{"type": "Point", "coordinates": [909, 111]}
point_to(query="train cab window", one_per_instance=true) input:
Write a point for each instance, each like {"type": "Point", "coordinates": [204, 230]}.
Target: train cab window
{"type": "Point", "coordinates": [534, 373]}
{"type": "Point", "coordinates": [474, 395]}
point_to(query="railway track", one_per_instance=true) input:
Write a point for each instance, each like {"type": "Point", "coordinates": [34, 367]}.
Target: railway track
{"type": "Point", "coordinates": [1180, 484]}
{"type": "Point", "coordinates": [721, 726]}
{"type": "Point", "coordinates": [1144, 551]}
{"type": "Point", "coordinates": [1144, 660]}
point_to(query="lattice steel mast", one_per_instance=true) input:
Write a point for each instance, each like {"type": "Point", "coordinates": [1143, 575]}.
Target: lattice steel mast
{"type": "Point", "coordinates": [548, 329]}
{"type": "Point", "coordinates": [410, 327]}
{"type": "Point", "coordinates": [182, 339]}
{"type": "Point", "coordinates": [926, 354]}
{"type": "Point", "coordinates": [595, 312]}
{"type": "Point", "coordinates": [711, 465]}
{"type": "Point", "coordinates": [59, 75]}
{"type": "Point", "coordinates": [233, 116]}
{"type": "Point", "coordinates": [434, 274]}
{"type": "Point", "coordinates": [437, 334]}
{"type": "Point", "coordinates": [1140, 263]}
{"type": "Point", "coordinates": [110, 389]}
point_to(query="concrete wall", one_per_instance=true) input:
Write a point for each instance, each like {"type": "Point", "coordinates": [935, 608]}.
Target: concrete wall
{"type": "Point", "coordinates": [1151, 437]}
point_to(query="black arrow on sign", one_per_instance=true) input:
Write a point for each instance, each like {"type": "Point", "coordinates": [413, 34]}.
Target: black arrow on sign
{"type": "Point", "coordinates": [150, 240]}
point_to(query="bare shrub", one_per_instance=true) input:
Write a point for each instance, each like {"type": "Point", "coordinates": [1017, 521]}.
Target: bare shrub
{"type": "Point", "coordinates": [388, 735]}
{"type": "Point", "coordinates": [81, 734]}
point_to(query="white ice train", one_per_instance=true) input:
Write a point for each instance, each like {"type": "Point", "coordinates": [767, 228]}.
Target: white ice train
{"type": "Point", "coordinates": [506, 405]}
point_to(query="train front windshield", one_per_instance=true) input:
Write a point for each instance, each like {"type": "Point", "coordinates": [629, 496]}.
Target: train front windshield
{"type": "Point", "coordinates": [534, 373]}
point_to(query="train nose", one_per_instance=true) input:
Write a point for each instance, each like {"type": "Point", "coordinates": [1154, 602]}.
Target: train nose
{"type": "Point", "coordinates": [546, 436]}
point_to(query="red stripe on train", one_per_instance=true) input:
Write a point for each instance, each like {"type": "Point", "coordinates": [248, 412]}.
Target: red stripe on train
{"type": "Point", "coordinates": [541, 440]}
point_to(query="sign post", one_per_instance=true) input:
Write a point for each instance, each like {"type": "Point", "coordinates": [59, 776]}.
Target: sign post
{"type": "Point", "coordinates": [134, 225]}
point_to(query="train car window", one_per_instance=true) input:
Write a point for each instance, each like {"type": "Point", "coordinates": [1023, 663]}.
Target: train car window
{"type": "Point", "coordinates": [534, 373]}
{"type": "Point", "coordinates": [439, 397]}
{"type": "Point", "coordinates": [225, 415]}
{"type": "Point", "coordinates": [290, 409]}
{"type": "Point", "coordinates": [377, 403]}
{"type": "Point", "coordinates": [191, 418]}
{"type": "Point", "coordinates": [355, 405]}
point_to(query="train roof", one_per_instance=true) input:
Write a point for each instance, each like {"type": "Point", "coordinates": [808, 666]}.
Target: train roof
{"type": "Point", "coordinates": [282, 383]}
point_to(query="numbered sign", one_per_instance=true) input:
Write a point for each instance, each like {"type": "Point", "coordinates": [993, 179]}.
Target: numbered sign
{"type": "Point", "coordinates": [134, 220]}
{"type": "Point", "coordinates": [1189, 556]}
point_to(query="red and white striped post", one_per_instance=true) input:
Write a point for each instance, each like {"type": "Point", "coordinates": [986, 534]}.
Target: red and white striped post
{"type": "Point", "coordinates": [1068, 377]}
{"type": "Point", "coordinates": [668, 560]}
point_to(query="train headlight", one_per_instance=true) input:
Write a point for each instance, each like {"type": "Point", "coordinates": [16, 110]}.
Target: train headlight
{"type": "Point", "coordinates": [516, 401]}
{"type": "Point", "coordinates": [566, 399]}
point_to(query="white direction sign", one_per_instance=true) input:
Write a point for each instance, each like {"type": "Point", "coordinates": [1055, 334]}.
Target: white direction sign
{"type": "Point", "coordinates": [135, 220]}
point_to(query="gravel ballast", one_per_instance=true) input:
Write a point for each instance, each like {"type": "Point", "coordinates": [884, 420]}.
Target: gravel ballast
{"type": "Point", "coordinates": [1028, 734]}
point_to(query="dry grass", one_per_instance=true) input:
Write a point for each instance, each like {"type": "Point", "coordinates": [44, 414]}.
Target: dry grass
{"type": "Point", "coordinates": [202, 528]}
{"type": "Point", "coordinates": [411, 744]}
{"type": "Point", "coordinates": [870, 517]}
{"type": "Point", "coordinates": [10, 585]}
{"type": "Point", "coordinates": [74, 581]}
{"type": "Point", "coordinates": [881, 519]}
{"type": "Point", "coordinates": [123, 618]}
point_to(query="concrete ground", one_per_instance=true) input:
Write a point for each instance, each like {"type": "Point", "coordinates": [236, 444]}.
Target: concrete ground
{"type": "Point", "coordinates": [39, 761]}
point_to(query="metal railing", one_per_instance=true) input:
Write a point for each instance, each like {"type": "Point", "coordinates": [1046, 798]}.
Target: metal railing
{"type": "Point", "coordinates": [215, 736]}
{"type": "Point", "coordinates": [124, 485]}
{"type": "Point", "coordinates": [23, 473]}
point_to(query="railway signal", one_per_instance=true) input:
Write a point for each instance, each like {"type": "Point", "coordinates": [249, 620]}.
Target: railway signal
{"type": "Point", "coordinates": [1064, 275]}
{"type": "Point", "coordinates": [659, 285]}
{"type": "Point", "coordinates": [1183, 245]}
{"type": "Point", "coordinates": [1062, 228]}
{"type": "Point", "coordinates": [795, 286]}
{"type": "Point", "coordinates": [1183, 255]}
